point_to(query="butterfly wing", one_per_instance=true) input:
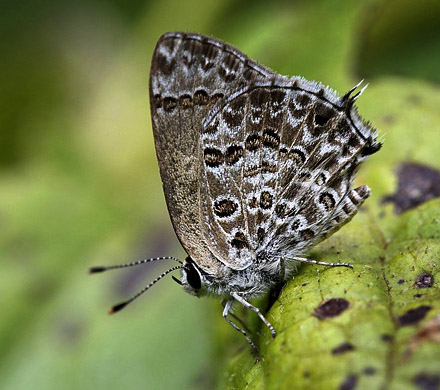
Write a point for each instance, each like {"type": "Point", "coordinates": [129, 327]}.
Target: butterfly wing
{"type": "Point", "coordinates": [190, 74]}
{"type": "Point", "coordinates": [324, 140]}
{"type": "Point", "coordinates": [279, 160]}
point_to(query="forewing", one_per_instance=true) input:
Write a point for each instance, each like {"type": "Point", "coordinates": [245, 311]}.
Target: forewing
{"type": "Point", "coordinates": [189, 75]}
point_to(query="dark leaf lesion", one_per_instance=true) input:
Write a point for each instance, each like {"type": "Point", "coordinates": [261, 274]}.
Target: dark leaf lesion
{"type": "Point", "coordinates": [417, 184]}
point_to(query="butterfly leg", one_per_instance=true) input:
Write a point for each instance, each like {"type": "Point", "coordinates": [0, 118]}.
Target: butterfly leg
{"type": "Point", "coordinates": [237, 318]}
{"type": "Point", "coordinates": [247, 305]}
{"type": "Point", "coordinates": [226, 311]}
{"type": "Point", "coordinates": [308, 261]}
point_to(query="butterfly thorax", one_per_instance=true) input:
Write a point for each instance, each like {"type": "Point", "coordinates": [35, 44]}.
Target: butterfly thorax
{"type": "Point", "coordinates": [254, 281]}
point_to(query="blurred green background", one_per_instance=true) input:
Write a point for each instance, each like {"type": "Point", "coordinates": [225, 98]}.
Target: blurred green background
{"type": "Point", "coordinates": [79, 183]}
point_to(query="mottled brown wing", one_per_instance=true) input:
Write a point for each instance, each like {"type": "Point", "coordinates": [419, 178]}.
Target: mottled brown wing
{"type": "Point", "coordinates": [279, 159]}
{"type": "Point", "coordinates": [189, 75]}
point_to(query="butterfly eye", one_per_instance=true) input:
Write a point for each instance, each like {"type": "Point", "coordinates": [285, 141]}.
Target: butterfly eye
{"type": "Point", "coordinates": [192, 276]}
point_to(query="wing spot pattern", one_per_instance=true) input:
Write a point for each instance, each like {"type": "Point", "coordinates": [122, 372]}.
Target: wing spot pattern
{"type": "Point", "coordinates": [253, 142]}
{"type": "Point", "coordinates": [266, 200]}
{"type": "Point", "coordinates": [271, 139]}
{"type": "Point", "coordinates": [327, 200]}
{"type": "Point", "coordinates": [213, 157]}
{"type": "Point", "coordinates": [239, 241]}
{"type": "Point", "coordinates": [298, 156]}
{"type": "Point", "coordinates": [201, 97]}
{"type": "Point", "coordinates": [225, 208]}
{"type": "Point", "coordinates": [233, 154]}
{"type": "Point", "coordinates": [169, 104]}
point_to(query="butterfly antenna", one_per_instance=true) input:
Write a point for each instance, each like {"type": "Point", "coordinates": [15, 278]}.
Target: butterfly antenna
{"type": "Point", "coordinates": [94, 270]}
{"type": "Point", "coordinates": [121, 305]}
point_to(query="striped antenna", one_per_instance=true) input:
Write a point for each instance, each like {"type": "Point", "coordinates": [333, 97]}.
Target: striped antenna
{"type": "Point", "coordinates": [94, 270]}
{"type": "Point", "coordinates": [121, 305]}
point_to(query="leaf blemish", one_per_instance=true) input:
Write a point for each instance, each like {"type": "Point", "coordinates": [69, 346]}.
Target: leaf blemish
{"type": "Point", "coordinates": [331, 308]}
{"type": "Point", "coordinates": [387, 338]}
{"type": "Point", "coordinates": [369, 371]}
{"type": "Point", "coordinates": [426, 381]}
{"type": "Point", "coordinates": [413, 316]}
{"type": "Point", "coordinates": [424, 280]}
{"type": "Point", "coordinates": [350, 383]}
{"type": "Point", "coordinates": [342, 348]}
{"type": "Point", "coordinates": [417, 184]}
{"type": "Point", "coordinates": [429, 332]}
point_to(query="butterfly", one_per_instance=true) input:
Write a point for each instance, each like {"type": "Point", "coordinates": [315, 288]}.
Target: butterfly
{"type": "Point", "coordinates": [256, 167]}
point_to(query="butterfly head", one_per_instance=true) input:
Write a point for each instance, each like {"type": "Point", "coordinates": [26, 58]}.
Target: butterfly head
{"type": "Point", "coordinates": [193, 278]}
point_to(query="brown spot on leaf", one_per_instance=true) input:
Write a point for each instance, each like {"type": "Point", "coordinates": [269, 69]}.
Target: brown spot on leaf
{"type": "Point", "coordinates": [350, 382]}
{"type": "Point", "coordinates": [424, 280]}
{"type": "Point", "coordinates": [428, 333]}
{"type": "Point", "coordinates": [387, 338]}
{"type": "Point", "coordinates": [331, 308]}
{"type": "Point", "coordinates": [426, 381]}
{"type": "Point", "coordinates": [413, 316]}
{"type": "Point", "coordinates": [342, 348]}
{"type": "Point", "coordinates": [369, 370]}
{"type": "Point", "coordinates": [416, 185]}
